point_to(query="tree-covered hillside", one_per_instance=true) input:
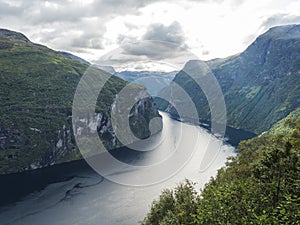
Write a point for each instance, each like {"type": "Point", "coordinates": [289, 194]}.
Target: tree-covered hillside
{"type": "Point", "coordinates": [37, 87]}
{"type": "Point", "coordinates": [261, 185]}
{"type": "Point", "coordinates": [260, 85]}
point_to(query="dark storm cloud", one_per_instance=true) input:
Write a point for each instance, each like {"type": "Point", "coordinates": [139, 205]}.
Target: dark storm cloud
{"type": "Point", "coordinates": [280, 19]}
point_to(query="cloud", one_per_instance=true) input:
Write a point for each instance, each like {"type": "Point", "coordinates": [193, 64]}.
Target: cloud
{"type": "Point", "coordinates": [280, 19]}
{"type": "Point", "coordinates": [249, 39]}
{"type": "Point", "coordinates": [120, 6]}
{"type": "Point", "coordinates": [159, 42]}
{"type": "Point", "coordinates": [6, 9]}
{"type": "Point", "coordinates": [138, 26]}
{"type": "Point", "coordinates": [69, 25]}
{"type": "Point", "coordinates": [40, 11]}
{"type": "Point", "coordinates": [81, 42]}
{"type": "Point", "coordinates": [231, 2]}
{"type": "Point", "coordinates": [74, 11]}
{"type": "Point", "coordinates": [205, 52]}
{"type": "Point", "coordinates": [172, 33]}
{"type": "Point", "coordinates": [151, 49]}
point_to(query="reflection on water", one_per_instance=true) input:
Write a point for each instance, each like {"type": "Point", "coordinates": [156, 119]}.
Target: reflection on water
{"type": "Point", "coordinates": [75, 194]}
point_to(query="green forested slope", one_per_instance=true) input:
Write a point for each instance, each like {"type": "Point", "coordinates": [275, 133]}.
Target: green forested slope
{"type": "Point", "coordinates": [37, 87]}
{"type": "Point", "coordinates": [260, 85]}
{"type": "Point", "coordinates": [261, 185]}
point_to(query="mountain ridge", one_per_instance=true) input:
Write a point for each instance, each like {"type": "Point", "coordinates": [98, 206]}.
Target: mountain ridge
{"type": "Point", "coordinates": [13, 35]}
{"type": "Point", "coordinates": [260, 85]}
{"type": "Point", "coordinates": [154, 81]}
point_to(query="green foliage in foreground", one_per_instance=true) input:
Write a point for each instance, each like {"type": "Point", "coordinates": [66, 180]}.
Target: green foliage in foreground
{"type": "Point", "coordinates": [261, 185]}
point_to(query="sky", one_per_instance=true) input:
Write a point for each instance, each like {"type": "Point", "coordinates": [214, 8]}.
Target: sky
{"type": "Point", "coordinates": [146, 34]}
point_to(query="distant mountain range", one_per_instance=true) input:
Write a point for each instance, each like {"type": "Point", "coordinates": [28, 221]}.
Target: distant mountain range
{"type": "Point", "coordinates": [108, 69]}
{"type": "Point", "coordinates": [154, 81]}
{"type": "Point", "coordinates": [261, 85]}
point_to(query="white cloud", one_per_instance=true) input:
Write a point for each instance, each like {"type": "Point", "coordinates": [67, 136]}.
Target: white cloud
{"type": "Point", "coordinates": [210, 28]}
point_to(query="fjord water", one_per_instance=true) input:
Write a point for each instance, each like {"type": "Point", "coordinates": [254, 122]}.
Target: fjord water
{"type": "Point", "coordinates": [75, 194]}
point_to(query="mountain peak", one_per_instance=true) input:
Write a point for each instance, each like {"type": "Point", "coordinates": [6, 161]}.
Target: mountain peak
{"type": "Point", "coordinates": [13, 36]}
{"type": "Point", "coordinates": [274, 48]}
{"type": "Point", "coordinates": [260, 85]}
{"type": "Point", "coordinates": [284, 32]}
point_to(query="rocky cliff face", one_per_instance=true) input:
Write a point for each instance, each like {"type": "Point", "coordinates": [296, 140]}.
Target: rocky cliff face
{"type": "Point", "coordinates": [260, 85]}
{"type": "Point", "coordinates": [37, 87]}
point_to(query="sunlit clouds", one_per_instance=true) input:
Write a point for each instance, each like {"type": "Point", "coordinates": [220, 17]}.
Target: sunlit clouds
{"type": "Point", "coordinates": [208, 28]}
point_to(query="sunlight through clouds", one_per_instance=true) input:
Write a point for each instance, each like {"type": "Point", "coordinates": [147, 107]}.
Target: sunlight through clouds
{"type": "Point", "coordinates": [89, 29]}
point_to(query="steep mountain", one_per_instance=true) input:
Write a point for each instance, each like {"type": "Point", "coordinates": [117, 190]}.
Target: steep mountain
{"type": "Point", "coordinates": [37, 87]}
{"type": "Point", "coordinates": [260, 85]}
{"type": "Point", "coordinates": [154, 81]}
